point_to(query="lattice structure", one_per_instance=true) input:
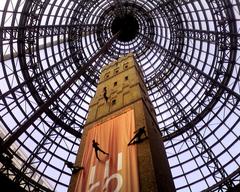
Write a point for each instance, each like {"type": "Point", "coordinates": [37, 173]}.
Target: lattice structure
{"type": "Point", "coordinates": [51, 54]}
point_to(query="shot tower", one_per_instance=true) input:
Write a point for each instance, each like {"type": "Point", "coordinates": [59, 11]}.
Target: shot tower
{"type": "Point", "coordinates": [119, 109]}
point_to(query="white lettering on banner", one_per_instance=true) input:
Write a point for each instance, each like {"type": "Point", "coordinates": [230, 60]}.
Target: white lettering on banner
{"type": "Point", "coordinates": [119, 179]}
{"type": "Point", "coordinates": [107, 179]}
{"type": "Point", "coordinates": [119, 167]}
{"type": "Point", "coordinates": [106, 171]}
{"type": "Point", "coordinates": [92, 187]}
{"type": "Point", "coordinates": [92, 174]}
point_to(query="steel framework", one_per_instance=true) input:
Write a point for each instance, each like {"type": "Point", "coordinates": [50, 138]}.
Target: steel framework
{"type": "Point", "coordinates": [51, 54]}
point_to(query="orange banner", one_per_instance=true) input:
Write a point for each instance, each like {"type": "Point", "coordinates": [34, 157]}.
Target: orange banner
{"type": "Point", "coordinates": [116, 171]}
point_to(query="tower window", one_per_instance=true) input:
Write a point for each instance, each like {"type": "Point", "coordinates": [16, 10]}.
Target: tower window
{"type": "Point", "coordinates": [113, 101]}
{"type": "Point", "coordinates": [115, 83]}
{"type": "Point", "coordinates": [107, 75]}
{"type": "Point", "coordinates": [117, 70]}
{"type": "Point", "coordinates": [126, 78]}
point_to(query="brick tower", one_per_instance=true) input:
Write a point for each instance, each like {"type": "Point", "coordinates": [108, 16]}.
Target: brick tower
{"type": "Point", "coordinates": [116, 113]}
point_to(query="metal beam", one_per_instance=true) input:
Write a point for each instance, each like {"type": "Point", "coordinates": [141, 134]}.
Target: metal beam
{"type": "Point", "coordinates": [44, 107]}
{"type": "Point", "coordinates": [194, 68]}
{"type": "Point", "coordinates": [42, 46]}
{"type": "Point", "coordinates": [10, 33]}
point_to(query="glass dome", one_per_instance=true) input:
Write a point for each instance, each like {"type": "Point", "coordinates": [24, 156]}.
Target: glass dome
{"type": "Point", "coordinates": [51, 55]}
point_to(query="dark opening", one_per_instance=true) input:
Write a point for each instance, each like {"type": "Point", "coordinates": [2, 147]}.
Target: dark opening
{"type": "Point", "coordinates": [113, 101]}
{"type": "Point", "coordinates": [127, 26]}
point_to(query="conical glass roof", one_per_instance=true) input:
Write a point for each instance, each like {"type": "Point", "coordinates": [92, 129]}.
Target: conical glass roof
{"type": "Point", "coordinates": [51, 55]}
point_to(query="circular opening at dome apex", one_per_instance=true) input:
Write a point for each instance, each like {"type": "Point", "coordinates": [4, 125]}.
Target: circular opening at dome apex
{"type": "Point", "coordinates": [127, 25]}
